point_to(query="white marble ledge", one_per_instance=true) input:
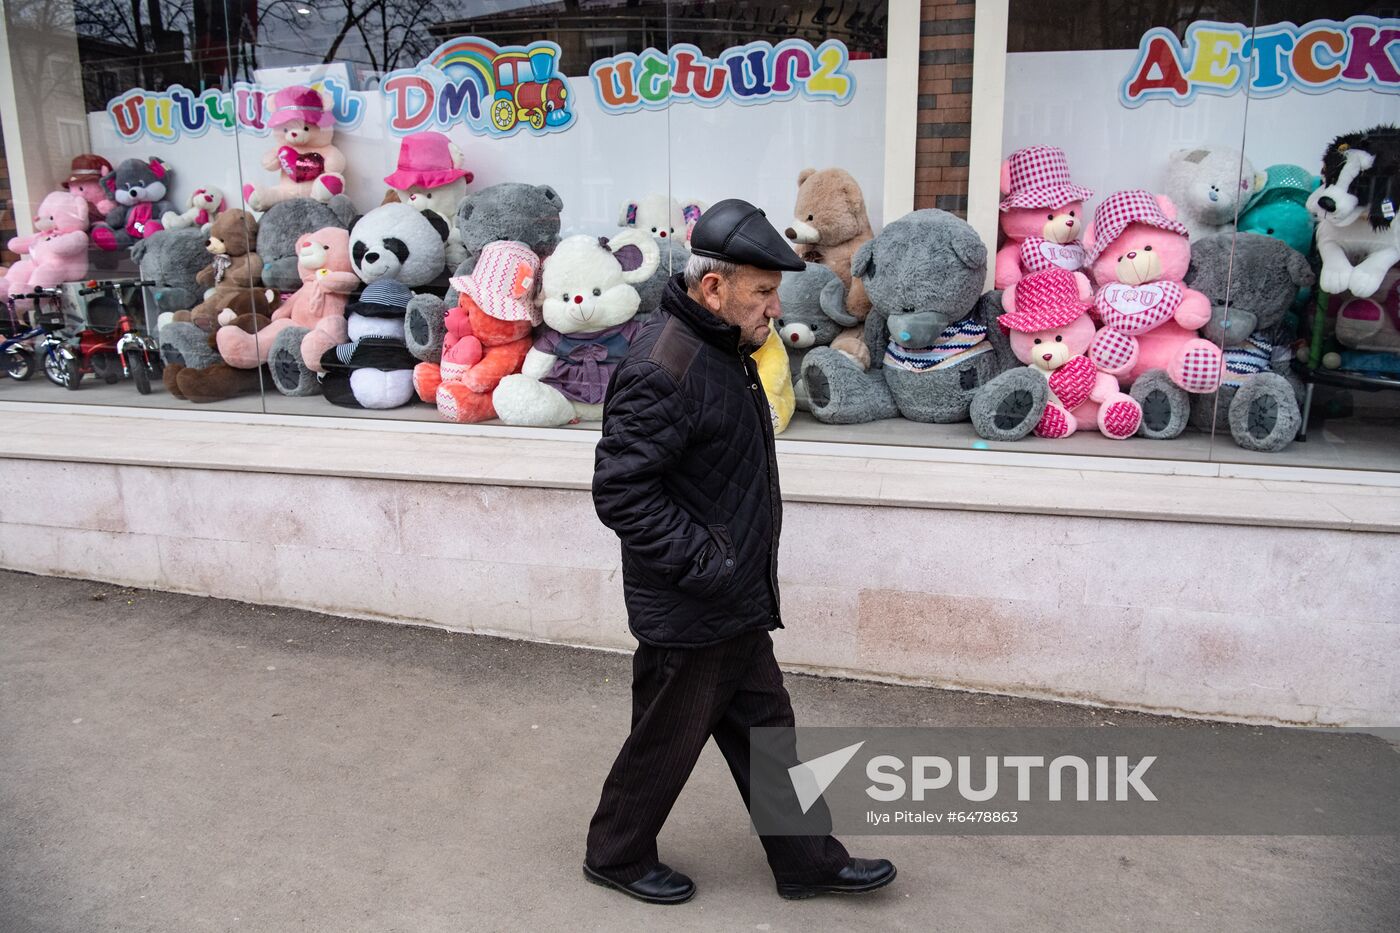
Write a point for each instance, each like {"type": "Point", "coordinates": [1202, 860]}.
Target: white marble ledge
{"type": "Point", "coordinates": [566, 462]}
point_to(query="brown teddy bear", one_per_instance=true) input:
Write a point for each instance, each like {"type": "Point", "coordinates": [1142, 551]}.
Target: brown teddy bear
{"type": "Point", "coordinates": [830, 223]}
{"type": "Point", "coordinates": [248, 310]}
{"type": "Point", "coordinates": [235, 272]}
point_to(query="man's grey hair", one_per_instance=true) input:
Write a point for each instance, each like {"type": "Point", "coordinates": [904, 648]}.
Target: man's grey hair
{"type": "Point", "coordinates": [697, 267]}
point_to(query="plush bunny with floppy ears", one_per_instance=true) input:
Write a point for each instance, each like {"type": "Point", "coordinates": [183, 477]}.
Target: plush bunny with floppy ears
{"type": "Point", "coordinates": [590, 303]}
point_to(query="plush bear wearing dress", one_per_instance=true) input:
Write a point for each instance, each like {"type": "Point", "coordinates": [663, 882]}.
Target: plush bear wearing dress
{"type": "Point", "coordinates": [308, 323]}
{"type": "Point", "coordinates": [589, 309]}
{"type": "Point", "coordinates": [307, 160]}
{"type": "Point", "coordinates": [1042, 215]}
{"type": "Point", "coordinates": [1139, 254]}
{"type": "Point", "coordinates": [139, 188]}
{"type": "Point", "coordinates": [487, 333]}
{"type": "Point", "coordinates": [1048, 316]}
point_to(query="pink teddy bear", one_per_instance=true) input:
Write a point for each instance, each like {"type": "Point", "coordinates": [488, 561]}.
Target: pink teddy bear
{"type": "Point", "coordinates": [1041, 217]}
{"type": "Point", "coordinates": [310, 164]}
{"type": "Point", "coordinates": [85, 180]}
{"type": "Point", "coordinates": [1047, 314]}
{"type": "Point", "coordinates": [327, 281]}
{"type": "Point", "coordinates": [1139, 254]}
{"type": "Point", "coordinates": [57, 251]}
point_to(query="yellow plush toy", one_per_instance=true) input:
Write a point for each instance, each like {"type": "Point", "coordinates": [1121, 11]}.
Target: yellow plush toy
{"type": "Point", "coordinates": [773, 372]}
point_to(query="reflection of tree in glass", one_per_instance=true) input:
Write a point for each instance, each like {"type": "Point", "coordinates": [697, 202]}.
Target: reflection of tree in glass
{"type": "Point", "coordinates": [379, 35]}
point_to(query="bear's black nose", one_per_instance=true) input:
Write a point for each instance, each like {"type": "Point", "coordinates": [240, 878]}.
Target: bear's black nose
{"type": "Point", "coordinates": [1326, 203]}
{"type": "Point", "coordinates": [371, 257]}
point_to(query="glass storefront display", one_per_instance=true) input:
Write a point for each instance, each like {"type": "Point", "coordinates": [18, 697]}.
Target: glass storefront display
{"type": "Point", "coordinates": [462, 210]}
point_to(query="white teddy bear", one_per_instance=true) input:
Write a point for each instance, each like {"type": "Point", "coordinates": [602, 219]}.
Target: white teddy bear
{"type": "Point", "coordinates": [590, 304]}
{"type": "Point", "coordinates": [1210, 186]}
{"type": "Point", "coordinates": [204, 204]}
{"type": "Point", "coordinates": [661, 216]}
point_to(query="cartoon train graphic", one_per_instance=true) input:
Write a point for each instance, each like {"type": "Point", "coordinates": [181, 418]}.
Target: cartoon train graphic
{"type": "Point", "coordinates": [527, 90]}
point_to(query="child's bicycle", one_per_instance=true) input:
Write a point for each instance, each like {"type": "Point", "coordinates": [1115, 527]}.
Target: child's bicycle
{"type": "Point", "coordinates": [16, 348]}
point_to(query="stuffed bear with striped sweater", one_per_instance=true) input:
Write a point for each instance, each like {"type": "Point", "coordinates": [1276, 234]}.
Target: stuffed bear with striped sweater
{"type": "Point", "coordinates": [1251, 281]}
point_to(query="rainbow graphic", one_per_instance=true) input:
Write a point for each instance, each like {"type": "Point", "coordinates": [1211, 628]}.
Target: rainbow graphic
{"type": "Point", "coordinates": [470, 55]}
{"type": "Point", "coordinates": [472, 82]}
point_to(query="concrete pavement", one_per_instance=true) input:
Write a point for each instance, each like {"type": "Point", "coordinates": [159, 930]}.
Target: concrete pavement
{"type": "Point", "coordinates": [170, 763]}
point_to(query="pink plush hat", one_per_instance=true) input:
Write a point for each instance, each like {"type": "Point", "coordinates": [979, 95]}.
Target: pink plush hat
{"type": "Point", "coordinates": [1045, 300]}
{"type": "Point", "coordinates": [1122, 208]}
{"type": "Point", "coordinates": [299, 103]}
{"type": "Point", "coordinates": [425, 160]}
{"type": "Point", "coordinates": [1038, 176]}
{"type": "Point", "coordinates": [503, 282]}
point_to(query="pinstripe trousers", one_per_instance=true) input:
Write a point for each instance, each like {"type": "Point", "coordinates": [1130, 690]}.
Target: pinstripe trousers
{"type": "Point", "coordinates": [681, 697]}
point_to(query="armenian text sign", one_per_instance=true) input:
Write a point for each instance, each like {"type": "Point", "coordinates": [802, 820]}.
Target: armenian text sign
{"type": "Point", "coordinates": [177, 112]}
{"type": "Point", "coordinates": [757, 73]}
{"type": "Point", "coordinates": [1360, 53]}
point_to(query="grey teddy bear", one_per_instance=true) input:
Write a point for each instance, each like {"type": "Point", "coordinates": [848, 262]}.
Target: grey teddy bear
{"type": "Point", "coordinates": [284, 223]}
{"type": "Point", "coordinates": [674, 256]}
{"type": "Point", "coordinates": [813, 304]}
{"type": "Point", "coordinates": [931, 333]}
{"type": "Point", "coordinates": [172, 259]}
{"type": "Point", "coordinates": [1251, 291]}
{"type": "Point", "coordinates": [509, 211]}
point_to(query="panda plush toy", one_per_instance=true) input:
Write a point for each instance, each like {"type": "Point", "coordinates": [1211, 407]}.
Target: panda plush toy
{"type": "Point", "coordinates": [393, 249]}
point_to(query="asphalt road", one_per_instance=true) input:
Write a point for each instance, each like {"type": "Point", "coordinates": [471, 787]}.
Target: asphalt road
{"type": "Point", "coordinates": [176, 764]}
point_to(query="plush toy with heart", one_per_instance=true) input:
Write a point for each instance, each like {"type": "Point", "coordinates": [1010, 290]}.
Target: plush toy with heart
{"type": "Point", "coordinates": [1139, 253]}
{"type": "Point", "coordinates": [1042, 215]}
{"type": "Point", "coordinates": [307, 160]}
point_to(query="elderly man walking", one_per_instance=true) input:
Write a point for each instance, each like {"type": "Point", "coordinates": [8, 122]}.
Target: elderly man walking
{"type": "Point", "coordinates": [687, 475]}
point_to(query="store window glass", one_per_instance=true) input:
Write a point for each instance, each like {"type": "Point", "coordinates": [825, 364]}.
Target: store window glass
{"type": "Point", "coordinates": [1227, 112]}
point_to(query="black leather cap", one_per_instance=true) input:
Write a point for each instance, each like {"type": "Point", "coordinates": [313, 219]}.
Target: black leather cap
{"type": "Point", "coordinates": [738, 232]}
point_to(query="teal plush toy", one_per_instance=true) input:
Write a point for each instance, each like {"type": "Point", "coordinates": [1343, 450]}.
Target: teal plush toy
{"type": "Point", "coordinates": [1279, 208]}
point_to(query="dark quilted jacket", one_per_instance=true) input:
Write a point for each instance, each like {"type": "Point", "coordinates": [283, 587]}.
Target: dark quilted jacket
{"type": "Point", "coordinates": [687, 475]}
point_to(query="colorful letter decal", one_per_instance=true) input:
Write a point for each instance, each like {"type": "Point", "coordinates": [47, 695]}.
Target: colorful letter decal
{"type": "Point", "coordinates": [492, 91]}
{"type": "Point", "coordinates": [757, 73]}
{"type": "Point", "coordinates": [1362, 53]}
{"type": "Point", "coordinates": [177, 112]}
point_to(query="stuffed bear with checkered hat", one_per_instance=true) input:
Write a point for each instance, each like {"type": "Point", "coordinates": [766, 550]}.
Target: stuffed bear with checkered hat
{"type": "Point", "coordinates": [1042, 215]}
{"type": "Point", "coordinates": [1138, 254]}
{"type": "Point", "coordinates": [1048, 316]}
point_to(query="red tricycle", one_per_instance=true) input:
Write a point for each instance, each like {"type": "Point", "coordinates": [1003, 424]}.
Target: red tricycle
{"type": "Point", "coordinates": [108, 345]}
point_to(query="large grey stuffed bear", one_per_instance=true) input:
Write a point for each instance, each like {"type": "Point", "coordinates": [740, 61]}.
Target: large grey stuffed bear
{"type": "Point", "coordinates": [1251, 290]}
{"type": "Point", "coordinates": [284, 223]}
{"type": "Point", "coordinates": [529, 214]}
{"type": "Point", "coordinates": [932, 335]}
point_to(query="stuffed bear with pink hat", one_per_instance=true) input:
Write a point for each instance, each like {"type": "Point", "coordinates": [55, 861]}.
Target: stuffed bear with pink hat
{"type": "Point", "coordinates": [1139, 254]}
{"type": "Point", "coordinates": [432, 176]}
{"type": "Point", "coordinates": [1042, 215]}
{"type": "Point", "coordinates": [488, 333]}
{"type": "Point", "coordinates": [1048, 316]}
{"type": "Point", "coordinates": [309, 164]}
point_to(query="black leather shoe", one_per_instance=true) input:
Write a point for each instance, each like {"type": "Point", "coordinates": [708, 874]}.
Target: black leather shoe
{"type": "Point", "coordinates": [661, 885]}
{"type": "Point", "coordinates": [858, 876]}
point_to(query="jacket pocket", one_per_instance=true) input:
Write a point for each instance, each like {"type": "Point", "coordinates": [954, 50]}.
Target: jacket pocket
{"type": "Point", "coordinates": [712, 568]}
